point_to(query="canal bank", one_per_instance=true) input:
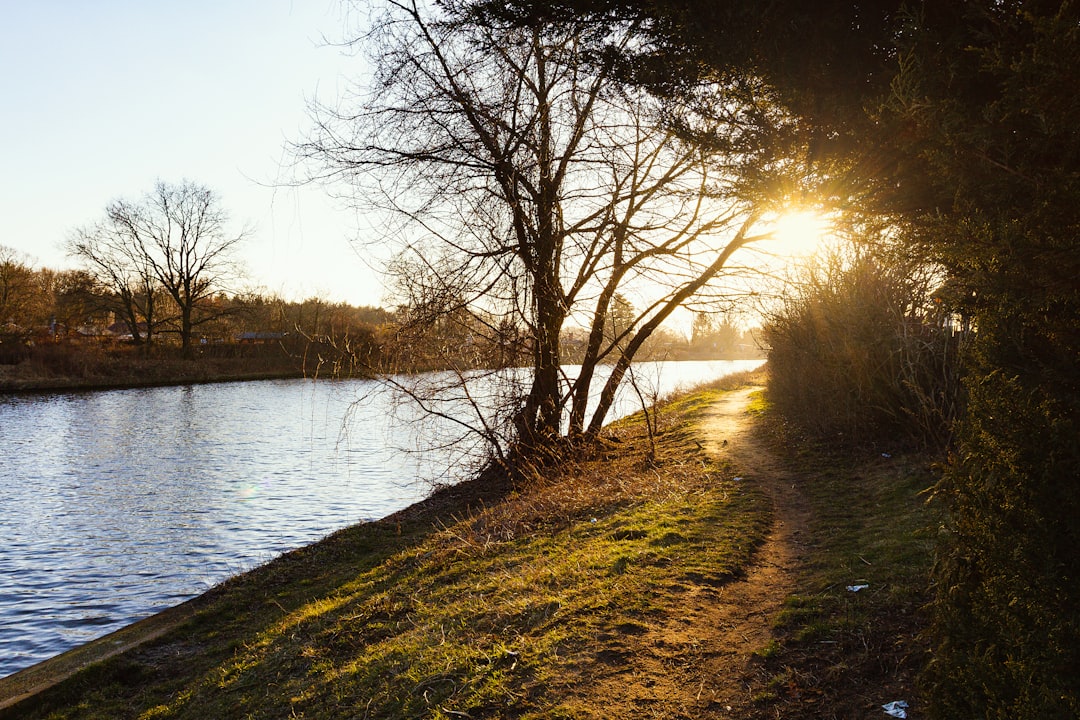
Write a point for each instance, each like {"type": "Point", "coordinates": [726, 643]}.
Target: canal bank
{"type": "Point", "coordinates": [699, 571]}
{"type": "Point", "coordinates": [119, 504]}
{"type": "Point", "coordinates": [624, 522]}
{"type": "Point", "coordinates": [380, 537]}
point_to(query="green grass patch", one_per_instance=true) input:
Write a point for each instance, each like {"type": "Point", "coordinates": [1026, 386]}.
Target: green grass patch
{"type": "Point", "coordinates": [847, 651]}
{"type": "Point", "coordinates": [489, 606]}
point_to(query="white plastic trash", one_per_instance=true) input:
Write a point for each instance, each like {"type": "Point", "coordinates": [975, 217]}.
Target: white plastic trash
{"type": "Point", "coordinates": [896, 709]}
{"type": "Point", "coordinates": [856, 588]}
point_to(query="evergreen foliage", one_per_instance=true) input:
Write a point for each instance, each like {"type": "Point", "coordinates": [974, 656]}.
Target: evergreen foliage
{"type": "Point", "coordinates": [984, 111]}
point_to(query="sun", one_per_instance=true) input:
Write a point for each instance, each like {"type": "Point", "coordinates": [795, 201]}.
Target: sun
{"type": "Point", "coordinates": [800, 232]}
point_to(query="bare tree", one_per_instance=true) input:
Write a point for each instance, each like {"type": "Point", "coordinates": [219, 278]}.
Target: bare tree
{"type": "Point", "coordinates": [174, 238]}
{"type": "Point", "coordinates": [521, 179]}
{"type": "Point", "coordinates": [119, 264]}
{"type": "Point", "coordinates": [76, 300]}
{"type": "Point", "coordinates": [16, 288]}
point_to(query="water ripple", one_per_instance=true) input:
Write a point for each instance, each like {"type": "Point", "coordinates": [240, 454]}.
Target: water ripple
{"type": "Point", "coordinates": [118, 504]}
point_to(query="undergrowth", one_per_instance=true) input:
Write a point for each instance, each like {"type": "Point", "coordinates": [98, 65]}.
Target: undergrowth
{"type": "Point", "coordinates": [851, 638]}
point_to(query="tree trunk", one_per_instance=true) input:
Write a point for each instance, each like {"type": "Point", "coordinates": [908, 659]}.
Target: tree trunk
{"type": "Point", "coordinates": [541, 417]}
{"type": "Point", "coordinates": [185, 331]}
{"type": "Point", "coordinates": [588, 362]}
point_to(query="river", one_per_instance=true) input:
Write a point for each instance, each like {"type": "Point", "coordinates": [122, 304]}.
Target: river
{"type": "Point", "coordinates": [117, 504]}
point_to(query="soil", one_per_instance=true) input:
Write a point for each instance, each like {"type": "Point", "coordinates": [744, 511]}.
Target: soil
{"type": "Point", "coordinates": [701, 661]}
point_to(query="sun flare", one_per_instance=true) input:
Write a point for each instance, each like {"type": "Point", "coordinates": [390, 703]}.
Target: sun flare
{"type": "Point", "coordinates": [801, 232]}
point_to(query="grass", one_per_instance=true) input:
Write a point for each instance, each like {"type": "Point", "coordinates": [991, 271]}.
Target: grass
{"type": "Point", "coordinates": [840, 653]}
{"type": "Point", "coordinates": [549, 600]}
{"type": "Point", "coordinates": [90, 365]}
{"type": "Point", "coordinates": [488, 601]}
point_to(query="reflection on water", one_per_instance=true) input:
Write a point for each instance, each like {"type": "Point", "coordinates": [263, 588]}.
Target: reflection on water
{"type": "Point", "coordinates": [118, 504]}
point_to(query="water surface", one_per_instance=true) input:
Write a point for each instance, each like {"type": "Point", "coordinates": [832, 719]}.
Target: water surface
{"type": "Point", "coordinates": [117, 504]}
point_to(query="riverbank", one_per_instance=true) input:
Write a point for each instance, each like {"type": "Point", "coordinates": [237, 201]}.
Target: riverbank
{"type": "Point", "coordinates": [78, 368]}
{"type": "Point", "coordinates": [631, 584]}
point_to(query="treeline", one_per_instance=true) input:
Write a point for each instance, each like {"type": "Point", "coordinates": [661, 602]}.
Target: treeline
{"type": "Point", "coordinates": [63, 320]}
{"type": "Point", "coordinates": [713, 337]}
{"type": "Point", "coordinates": [466, 337]}
{"type": "Point", "coordinates": [63, 325]}
{"type": "Point", "coordinates": [40, 305]}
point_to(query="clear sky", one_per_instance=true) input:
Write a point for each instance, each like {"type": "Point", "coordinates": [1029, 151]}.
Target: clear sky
{"type": "Point", "coordinates": [100, 99]}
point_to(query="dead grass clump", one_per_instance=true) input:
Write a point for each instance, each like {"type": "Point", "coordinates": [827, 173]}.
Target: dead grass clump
{"type": "Point", "coordinates": [620, 469]}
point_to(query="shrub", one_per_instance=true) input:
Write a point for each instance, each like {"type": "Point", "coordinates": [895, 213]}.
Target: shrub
{"type": "Point", "coordinates": [1005, 618]}
{"type": "Point", "coordinates": [859, 352]}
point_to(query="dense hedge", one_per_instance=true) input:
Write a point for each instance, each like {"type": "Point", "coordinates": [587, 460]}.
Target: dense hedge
{"type": "Point", "coordinates": [984, 116]}
{"type": "Point", "coordinates": [1006, 618]}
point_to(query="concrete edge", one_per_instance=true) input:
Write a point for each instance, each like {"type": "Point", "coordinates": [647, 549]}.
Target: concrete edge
{"type": "Point", "coordinates": [28, 682]}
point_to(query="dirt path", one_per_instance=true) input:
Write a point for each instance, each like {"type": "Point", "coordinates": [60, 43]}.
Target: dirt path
{"type": "Point", "coordinates": [699, 661]}
{"type": "Point", "coordinates": [744, 615]}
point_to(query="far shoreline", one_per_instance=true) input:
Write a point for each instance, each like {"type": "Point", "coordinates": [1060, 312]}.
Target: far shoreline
{"type": "Point", "coordinates": [61, 385]}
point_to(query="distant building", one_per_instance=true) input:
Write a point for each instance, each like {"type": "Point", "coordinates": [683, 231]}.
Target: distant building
{"type": "Point", "coordinates": [121, 330]}
{"type": "Point", "coordinates": [259, 338]}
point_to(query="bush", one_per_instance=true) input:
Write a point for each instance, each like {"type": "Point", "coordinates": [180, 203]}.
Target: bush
{"type": "Point", "coordinates": [860, 353]}
{"type": "Point", "coordinates": [1005, 618]}
{"type": "Point", "coordinates": [13, 349]}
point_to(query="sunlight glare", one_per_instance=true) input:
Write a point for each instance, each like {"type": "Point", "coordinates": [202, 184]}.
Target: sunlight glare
{"type": "Point", "coordinates": [800, 232]}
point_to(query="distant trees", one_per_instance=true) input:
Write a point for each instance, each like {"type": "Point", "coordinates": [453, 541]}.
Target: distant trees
{"type": "Point", "coordinates": [41, 305]}
{"type": "Point", "coordinates": [120, 269]}
{"type": "Point", "coordinates": [174, 241]}
{"type": "Point", "coordinates": [38, 299]}
{"type": "Point", "coordinates": [17, 293]}
{"type": "Point", "coordinates": [75, 298]}
{"type": "Point", "coordinates": [528, 186]}
{"type": "Point", "coordinates": [718, 335]}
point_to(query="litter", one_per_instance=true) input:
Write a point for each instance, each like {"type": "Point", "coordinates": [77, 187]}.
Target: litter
{"type": "Point", "coordinates": [886, 455]}
{"type": "Point", "coordinates": [856, 588]}
{"type": "Point", "coordinates": [896, 709]}
{"type": "Point", "coordinates": [737, 478]}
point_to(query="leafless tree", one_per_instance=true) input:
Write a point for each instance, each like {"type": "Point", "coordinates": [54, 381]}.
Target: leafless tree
{"type": "Point", "coordinates": [174, 238]}
{"type": "Point", "coordinates": [521, 180]}
{"type": "Point", "coordinates": [16, 288]}
{"type": "Point", "coordinates": [117, 262]}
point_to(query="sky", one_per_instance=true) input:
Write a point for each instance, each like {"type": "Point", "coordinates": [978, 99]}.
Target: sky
{"type": "Point", "coordinates": [100, 100]}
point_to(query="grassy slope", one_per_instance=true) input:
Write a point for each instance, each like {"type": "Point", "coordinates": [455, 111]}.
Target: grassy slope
{"type": "Point", "coordinates": [491, 601]}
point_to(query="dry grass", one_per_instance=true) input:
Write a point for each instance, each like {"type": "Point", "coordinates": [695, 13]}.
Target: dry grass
{"type": "Point", "coordinates": [484, 602]}
{"type": "Point", "coordinates": [70, 366]}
